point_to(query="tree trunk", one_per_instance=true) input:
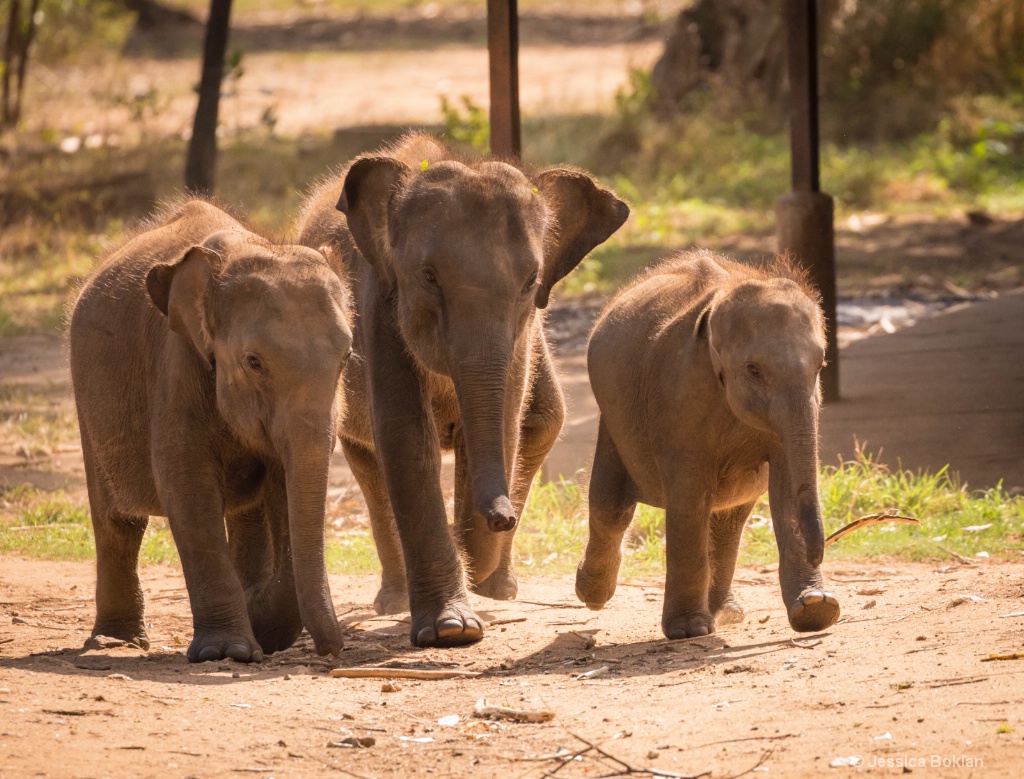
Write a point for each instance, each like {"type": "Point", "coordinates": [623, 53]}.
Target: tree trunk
{"type": "Point", "coordinates": [734, 43]}
{"type": "Point", "coordinates": [200, 170]}
{"type": "Point", "coordinates": [17, 42]}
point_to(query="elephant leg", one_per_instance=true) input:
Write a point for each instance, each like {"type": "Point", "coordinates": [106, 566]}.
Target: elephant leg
{"type": "Point", "coordinates": [726, 532]}
{"type": "Point", "coordinates": [809, 605]}
{"type": "Point", "coordinates": [612, 499]}
{"type": "Point", "coordinates": [259, 541]}
{"type": "Point", "coordinates": [251, 545]}
{"type": "Point", "coordinates": [407, 446]}
{"type": "Point", "coordinates": [686, 612]}
{"type": "Point", "coordinates": [393, 596]}
{"type": "Point", "coordinates": [190, 494]}
{"type": "Point", "coordinates": [120, 603]}
{"type": "Point", "coordinates": [541, 424]}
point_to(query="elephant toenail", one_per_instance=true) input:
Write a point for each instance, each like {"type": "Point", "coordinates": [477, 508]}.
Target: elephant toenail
{"type": "Point", "coordinates": [208, 654]}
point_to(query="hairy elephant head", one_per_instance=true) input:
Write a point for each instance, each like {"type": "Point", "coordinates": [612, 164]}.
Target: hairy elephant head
{"type": "Point", "coordinates": [766, 339]}
{"type": "Point", "coordinates": [468, 252]}
{"type": "Point", "coordinates": [270, 322]}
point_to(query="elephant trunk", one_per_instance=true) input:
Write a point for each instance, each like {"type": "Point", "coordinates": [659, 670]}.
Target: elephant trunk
{"type": "Point", "coordinates": [308, 449]}
{"type": "Point", "coordinates": [480, 384]}
{"type": "Point", "coordinates": [793, 486]}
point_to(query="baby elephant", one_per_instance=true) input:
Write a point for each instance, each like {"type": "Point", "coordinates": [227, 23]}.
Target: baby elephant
{"type": "Point", "coordinates": [706, 375]}
{"type": "Point", "coordinates": [206, 365]}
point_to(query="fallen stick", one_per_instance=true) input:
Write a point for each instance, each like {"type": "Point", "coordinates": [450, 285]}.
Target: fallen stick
{"type": "Point", "coordinates": [485, 710]}
{"type": "Point", "coordinates": [800, 645]}
{"type": "Point", "coordinates": [870, 519]}
{"type": "Point", "coordinates": [402, 673]}
{"type": "Point", "coordinates": [1010, 656]}
{"type": "Point", "coordinates": [509, 621]}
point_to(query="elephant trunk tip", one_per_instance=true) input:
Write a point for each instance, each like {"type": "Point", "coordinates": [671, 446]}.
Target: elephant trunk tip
{"type": "Point", "coordinates": [499, 513]}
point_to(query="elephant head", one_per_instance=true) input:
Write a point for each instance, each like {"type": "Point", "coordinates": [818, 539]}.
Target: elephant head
{"type": "Point", "coordinates": [270, 322]}
{"type": "Point", "coordinates": [468, 252]}
{"type": "Point", "coordinates": [767, 346]}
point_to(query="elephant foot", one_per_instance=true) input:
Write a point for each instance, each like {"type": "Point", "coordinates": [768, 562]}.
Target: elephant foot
{"type": "Point", "coordinates": [691, 625]}
{"type": "Point", "coordinates": [391, 599]}
{"type": "Point", "coordinates": [813, 610]}
{"type": "Point", "coordinates": [595, 584]}
{"type": "Point", "coordinates": [452, 623]}
{"type": "Point", "coordinates": [730, 612]}
{"type": "Point", "coordinates": [107, 633]}
{"type": "Point", "coordinates": [237, 645]}
{"type": "Point", "coordinates": [500, 585]}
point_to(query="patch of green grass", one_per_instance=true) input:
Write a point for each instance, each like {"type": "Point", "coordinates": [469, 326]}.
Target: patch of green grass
{"type": "Point", "coordinates": [554, 529]}
{"type": "Point", "coordinates": [953, 519]}
{"type": "Point", "coordinates": [50, 526]}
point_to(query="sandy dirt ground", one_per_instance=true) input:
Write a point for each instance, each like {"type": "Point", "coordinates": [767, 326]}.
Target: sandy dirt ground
{"type": "Point", "coordinates": [900, 681]}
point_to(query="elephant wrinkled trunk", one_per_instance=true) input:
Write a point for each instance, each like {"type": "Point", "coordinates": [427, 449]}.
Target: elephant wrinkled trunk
{"type": "Point", "coordinates": [307, 463]}
{"type": "Point", "coordinates": [797, 495]}
{"type": "Point", "coordinates": [480, 387]}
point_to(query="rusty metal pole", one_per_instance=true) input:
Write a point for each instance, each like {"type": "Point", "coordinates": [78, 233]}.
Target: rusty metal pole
{"type": "Point", "coordinates": [805, 215]}
{"type": "Point", "coordinates": [503, 52]}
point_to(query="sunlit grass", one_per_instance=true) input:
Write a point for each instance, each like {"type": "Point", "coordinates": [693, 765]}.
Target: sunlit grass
{"type": "Point", "coordinates": [553, 532]}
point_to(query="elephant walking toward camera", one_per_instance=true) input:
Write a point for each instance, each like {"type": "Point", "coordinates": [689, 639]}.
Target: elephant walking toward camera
{"type": "Point", "coordinates": [706, 375]}
{"type": "Point", "coordinates": [206, 364]}
{"type": "Point", "coordinates": [449, 262]}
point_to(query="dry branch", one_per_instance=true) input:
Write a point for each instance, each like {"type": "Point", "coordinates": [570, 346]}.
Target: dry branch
{"type": "Point", "coordinates": [870, 519]}
{"type": "Point", "coordinates": [485, 710]}
{"type": "Point", "coordinates": [402, 673]}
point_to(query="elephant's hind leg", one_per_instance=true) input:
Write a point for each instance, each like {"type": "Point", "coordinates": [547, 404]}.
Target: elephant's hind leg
{"type": "Point", "coordinates": [613, 498]}
{"type": "Point", "coordinates": [393, 596]}
{"type": "Point", "coordinates": [538, 432]}
{"type": "Point", "coordinates": [726, 532]}
{"type": "Point", "coordinates": [120, 604]}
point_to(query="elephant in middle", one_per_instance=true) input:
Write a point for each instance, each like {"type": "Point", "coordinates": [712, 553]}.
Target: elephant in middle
{"type": "Point", "coordinates": [449, 262]}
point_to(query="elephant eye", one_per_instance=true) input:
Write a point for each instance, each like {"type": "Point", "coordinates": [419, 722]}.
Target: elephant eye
{"type": "Point", "coordinates": [531, 283]}
{"type": "Point", "coordinates": [753, 370]}
{"type": "Point", "coordinates": [254, 363]}
{"type": "Point", "coordinates": [430, 276]}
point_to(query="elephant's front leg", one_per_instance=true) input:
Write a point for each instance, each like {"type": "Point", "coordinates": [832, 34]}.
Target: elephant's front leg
{"type": "Point", "coordinates": [393, 596]}
{"type": "Point", "coordinates": [271, 600]}
{"type": "Point", "coordinates": [687, 611]}
{"type": "Point", "coordinates": [541, 424]}
{"type": "Point", "coordinates": [809, 605]}
{"type": "Point", "coordinates": [190, 493]}
{"type": "Point", "coordinates": [408, 450]}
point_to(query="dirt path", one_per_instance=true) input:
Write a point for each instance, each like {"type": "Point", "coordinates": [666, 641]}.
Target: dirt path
{"type": "Point", "coordinates": [901, 676]}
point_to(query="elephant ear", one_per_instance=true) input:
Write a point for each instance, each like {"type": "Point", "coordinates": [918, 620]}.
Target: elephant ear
{"type": "Point", "coordinates": [704, 328]}
{"type": "Point", "coordinates": [586, 215]}
{"type": "Point", "coordinates": [181, 290]}
{"type": "Point", "coordinates": [369, 185]}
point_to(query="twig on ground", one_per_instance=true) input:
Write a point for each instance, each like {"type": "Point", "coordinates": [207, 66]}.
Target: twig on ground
{"type": "Point", "coordinates": [756, 765]}
{"type": "Point", "coordinates": [870, 519]}
{"type": "Point", "coordinates": [485, 710]}
{"type": "Point", "coordinates": [951, 553]}
{"type": "Point", "coordinates": [628, 769]}
{"type": "Point", "coordinates": [553, 605]}
{"type": "Point", "coordinates": [402, 673]}
{"type": "Point", "coordinates": [748, 738]}
{"type": "Point", "coordinates": [801, 645]}
{"type": "Point", "coordinates": [1010, 656]}
{"type": "Point", "coordinates": [954, 682]}
{"type": "Point", "coordinates": [508, 621]}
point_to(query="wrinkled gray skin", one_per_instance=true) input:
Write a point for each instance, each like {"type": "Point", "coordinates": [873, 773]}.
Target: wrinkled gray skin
{"type": "Point", "coordinates": [206, 365]}
{"type": "Point", "coordinates": [449, 262]}
{"type": "Point", "coordinates": [706, 375]}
